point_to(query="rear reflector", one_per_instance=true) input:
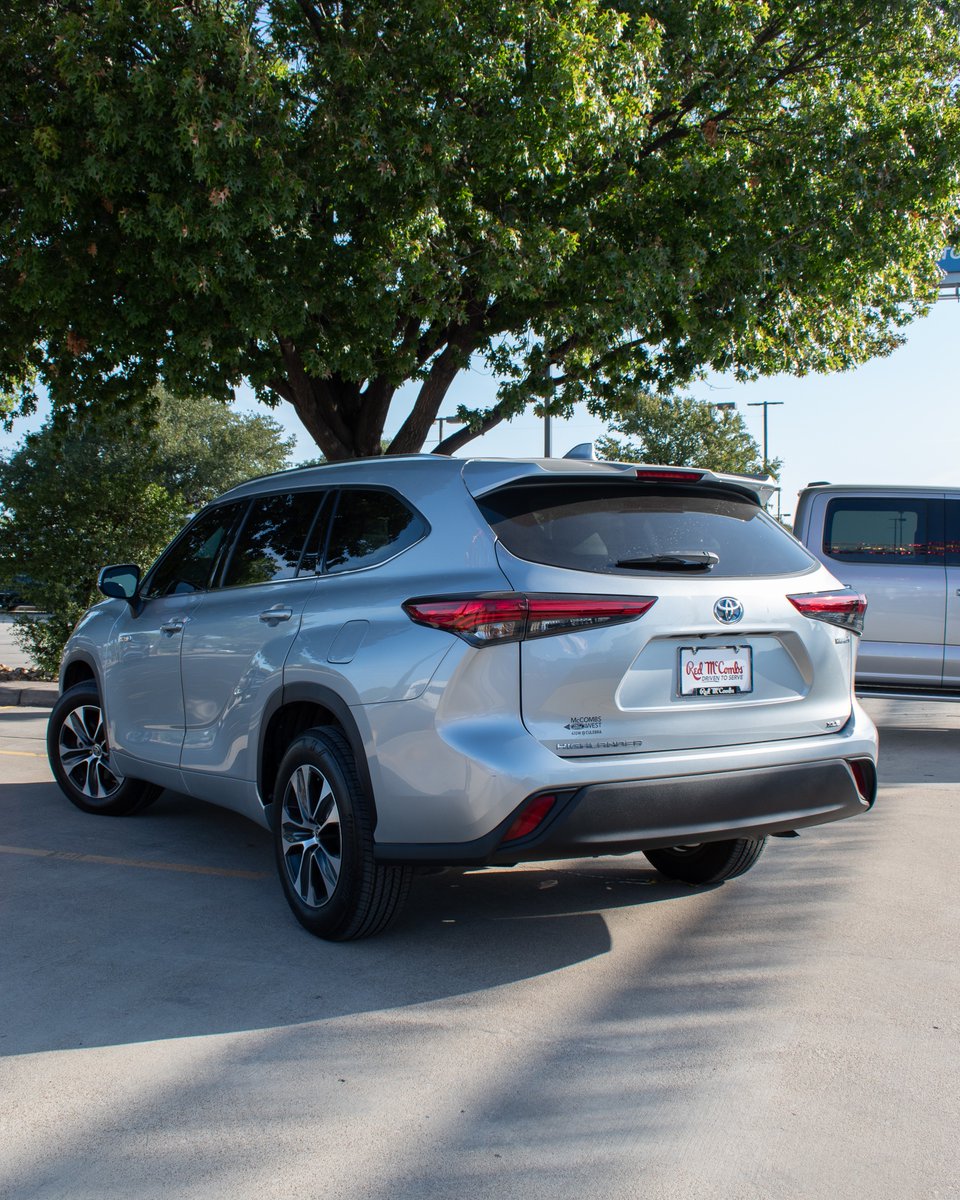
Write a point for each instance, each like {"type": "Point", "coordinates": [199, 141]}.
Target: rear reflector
{"type": "Point", "coordinates": [652, 475]}
{"type": "Point", "coordinates": [845, 608]}
{"type": "Point", "coordinates": [865, 777]}
{"type": "Point", "coordinates": [513, 617]}
{"type": "Point", "coordinates": [532, 816]}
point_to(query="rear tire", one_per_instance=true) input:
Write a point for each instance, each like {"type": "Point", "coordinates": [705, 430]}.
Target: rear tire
{"type": "Point", "coordinates": [79, 755]}
{"type": "Point", "coordinates": [323, 839]}
{"type": "Point", "coordinates": [708, 862]}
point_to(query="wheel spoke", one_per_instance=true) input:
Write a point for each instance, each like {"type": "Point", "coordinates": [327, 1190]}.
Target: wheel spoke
{"type": "Point", "coordinates": [305, 885]}
{"type": "Point", "coordinates": [72, 757]}
{"type": "Point", "coordinates": [74, 723]}
{"type": "Point", "coordinates": [329, 867]}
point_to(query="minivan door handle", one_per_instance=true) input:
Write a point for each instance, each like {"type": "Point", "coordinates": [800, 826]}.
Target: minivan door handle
{"type": "Point", "coordinates": [273, 616]}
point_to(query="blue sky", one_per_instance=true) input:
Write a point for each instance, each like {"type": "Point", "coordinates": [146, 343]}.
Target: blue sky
{"type": "Point", "coordinates": [892, 420]}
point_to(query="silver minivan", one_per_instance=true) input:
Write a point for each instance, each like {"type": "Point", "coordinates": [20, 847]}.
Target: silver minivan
{"type": "Point", "coordinates": [404, 663]}
{"type": "Point", "coordinates": [900, 546]}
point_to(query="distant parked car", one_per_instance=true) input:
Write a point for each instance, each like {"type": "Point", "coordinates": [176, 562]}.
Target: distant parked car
{"type": "Point", "coordinates": [9, 600]}
{"type": "Point", "coordinates": [409, 662]}
{"type": "Point", "coordinates": [900, 546]}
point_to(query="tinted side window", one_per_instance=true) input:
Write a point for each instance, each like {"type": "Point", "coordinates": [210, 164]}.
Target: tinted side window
{"type": "Point", "coordinates": [272, 539]}
{"type": "Point", "coordinates": [192, 560]}
{"type": "Point", "coordinates": [604, 527]}
{"type": "Point", "coordinates": [884, 530]}
{"type": "Point", "coordinates": [368, 528]}
{"type": "Point", "coordinates": [952, 538]}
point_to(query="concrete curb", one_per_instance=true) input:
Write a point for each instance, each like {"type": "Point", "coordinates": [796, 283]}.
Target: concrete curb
{"type": "Point", "coordinates": [28, 695]}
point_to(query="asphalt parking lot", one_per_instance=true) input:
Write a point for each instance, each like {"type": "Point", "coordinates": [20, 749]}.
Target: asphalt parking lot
{"type": "Point", "coordinates": [560, 1030]}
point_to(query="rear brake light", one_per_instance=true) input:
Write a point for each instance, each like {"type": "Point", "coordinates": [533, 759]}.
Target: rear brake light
{"type": "Point", "coordinates": [484, 620]}
{"type": "Point", "coordinates": [652, 475]}
{"type": "Point", "coordinates": [845, 609]}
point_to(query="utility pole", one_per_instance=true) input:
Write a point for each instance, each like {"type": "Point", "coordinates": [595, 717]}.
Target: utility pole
{"type": "Point", "coordinates": [765, 404]}
{"type": "Point", "coordinates": [441, 421]}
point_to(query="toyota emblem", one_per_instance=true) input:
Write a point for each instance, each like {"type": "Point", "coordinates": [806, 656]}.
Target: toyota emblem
{"type": "Point", "coordinates": [728, 610]}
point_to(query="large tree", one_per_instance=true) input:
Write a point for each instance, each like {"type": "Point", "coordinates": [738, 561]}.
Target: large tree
{"type": "Point", "coordinates": [686, 432]}
{"type": "Point", "coordinates": [330, 199]}
{"type": "Point", "coordinates": [83, 492]}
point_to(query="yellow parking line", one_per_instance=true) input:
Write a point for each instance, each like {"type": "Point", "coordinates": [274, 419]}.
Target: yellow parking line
{"type": "Point", "coordinates": [23, 753]}
{"type": "Point", "coordinates": [106, 860]}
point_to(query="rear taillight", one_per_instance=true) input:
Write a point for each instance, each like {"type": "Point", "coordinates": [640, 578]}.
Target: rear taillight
{"type": "Point", "coordinates": [513, 617]}
{"type": "Point", "coordinates": [845, 608]}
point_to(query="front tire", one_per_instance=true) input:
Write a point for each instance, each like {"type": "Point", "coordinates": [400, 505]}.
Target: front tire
{"type": "Point", "coordinates": [708, 862]}
{"type": "Point", "coordinates": [80, 759]}
{"type": "Point", "coordinates": [323, 839]}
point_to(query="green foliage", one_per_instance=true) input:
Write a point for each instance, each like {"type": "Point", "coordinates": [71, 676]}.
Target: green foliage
{"type": "Point", "coordinates": [685, 433]}
{"type": "Point", "coordinates": [81, 493]}
{"type": "Point", "coordinates": [330, 200]}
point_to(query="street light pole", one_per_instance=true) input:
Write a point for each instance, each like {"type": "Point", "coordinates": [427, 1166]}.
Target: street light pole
{"type": "Point", "coordinates": [765, 404]}
{"type": "Point", "coordinates": [441, 421]}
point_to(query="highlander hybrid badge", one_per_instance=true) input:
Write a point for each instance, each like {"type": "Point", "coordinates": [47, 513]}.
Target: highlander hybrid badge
{"type": "Point", "coordinates": [728, 610]}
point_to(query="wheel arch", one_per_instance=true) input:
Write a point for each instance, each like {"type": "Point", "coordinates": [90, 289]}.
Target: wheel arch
{"type": "Point", "coordinates": [80, 669]}
{"type": "Point", "coordinates": [293, 710]}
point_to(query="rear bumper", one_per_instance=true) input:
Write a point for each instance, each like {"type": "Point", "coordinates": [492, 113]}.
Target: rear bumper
{"type": "Point", "coordinates": [623, 817]}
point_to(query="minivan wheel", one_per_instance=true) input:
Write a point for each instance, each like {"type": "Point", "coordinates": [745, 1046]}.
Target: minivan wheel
{"type": "Point", "coordinates": [80, 759]}
{"type": "Point", "coordinates": [707, 862]}
{"type": "Point", "coordinates": [323, 837]}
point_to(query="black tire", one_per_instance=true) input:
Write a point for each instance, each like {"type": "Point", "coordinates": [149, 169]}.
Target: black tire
{"type": "Point", "coordinates": [323, 838]}
{"type": "Point", "coordinates": [79, 755]}
{"type": "Point", "coordinates": [708, 862]}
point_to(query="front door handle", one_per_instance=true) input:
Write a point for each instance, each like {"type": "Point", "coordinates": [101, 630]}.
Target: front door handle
{"type": "Point", "coordinates": [273, 616]}
{"type": "Point", "coordinates": [172, 627]}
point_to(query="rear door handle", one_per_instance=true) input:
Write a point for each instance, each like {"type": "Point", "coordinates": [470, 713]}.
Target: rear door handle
{"type": "Point", "coordinates": [172, 627]}
{"type": "Point", "coordinates": [273, 616]}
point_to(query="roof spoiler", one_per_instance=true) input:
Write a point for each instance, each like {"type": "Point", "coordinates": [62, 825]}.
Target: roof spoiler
{"type": "Point", "coordinates": [764, 487]}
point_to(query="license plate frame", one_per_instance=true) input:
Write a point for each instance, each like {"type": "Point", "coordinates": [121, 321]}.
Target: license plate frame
{"type": "Point", "coordinates": [728, 671]}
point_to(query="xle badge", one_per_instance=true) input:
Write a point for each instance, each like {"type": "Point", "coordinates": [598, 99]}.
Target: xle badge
{"type": "Point", "coordinates": [582, 726]}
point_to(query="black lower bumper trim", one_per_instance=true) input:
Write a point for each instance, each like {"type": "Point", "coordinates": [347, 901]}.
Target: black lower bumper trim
{"type": "Point", "coordinates": [620, 818]}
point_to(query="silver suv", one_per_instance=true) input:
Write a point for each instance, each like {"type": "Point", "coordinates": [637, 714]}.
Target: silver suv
{"type": "Point", "coordinates": [408, 663]}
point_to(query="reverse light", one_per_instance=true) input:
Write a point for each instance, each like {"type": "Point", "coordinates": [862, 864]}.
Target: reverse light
{"type": "Point", "coordinates": [514, 617]}
{"type": "Point", "coordinates": [845, 608]}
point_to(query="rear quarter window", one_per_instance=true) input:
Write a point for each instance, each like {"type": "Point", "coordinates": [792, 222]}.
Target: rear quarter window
{"type": "Point", "coordinates": [595, 527]}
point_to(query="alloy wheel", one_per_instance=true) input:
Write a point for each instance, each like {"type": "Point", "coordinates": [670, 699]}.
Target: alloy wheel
{"type": "Point", "coordinates": [85, 753]}
{"type": "Point", "coordinates": [310, 835]}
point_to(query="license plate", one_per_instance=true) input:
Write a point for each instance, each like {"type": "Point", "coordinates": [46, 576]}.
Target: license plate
{"type": "Point", "coordinates": [716, 670]}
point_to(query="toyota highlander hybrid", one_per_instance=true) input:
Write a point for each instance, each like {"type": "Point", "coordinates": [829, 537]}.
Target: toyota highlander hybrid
{"type": "Point", "coordinates": [406, 663]}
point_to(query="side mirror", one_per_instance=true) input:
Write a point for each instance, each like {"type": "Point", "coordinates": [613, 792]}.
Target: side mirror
{"type": "Point", "coordinates": [120, 583]}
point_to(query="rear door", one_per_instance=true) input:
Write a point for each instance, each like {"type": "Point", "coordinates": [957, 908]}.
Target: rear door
{"type": "Point", "coordinates": [721, 658]}
{"type": "Point", "coordinates": [890, 546]}
{"type": "Point", "coordinates": [237, 641]}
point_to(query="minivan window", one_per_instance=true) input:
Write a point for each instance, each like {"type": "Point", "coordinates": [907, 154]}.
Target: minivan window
{"type": "Point", "coordinates": [602, 526]}
{"type": "Point", "coordinates": [191, 561]}
{"type": "Point", "coordinates": [370, 527]}
{"type": "Point", "coordinates": [272, 539]}
{"type": "Point", "coordinates": [882, 529]}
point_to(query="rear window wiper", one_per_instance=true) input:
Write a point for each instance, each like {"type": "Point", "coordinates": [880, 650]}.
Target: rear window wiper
{"type": "Point", "coordinates": [678, 560]}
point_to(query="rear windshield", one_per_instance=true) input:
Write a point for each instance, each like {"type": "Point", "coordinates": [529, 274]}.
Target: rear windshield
{"type": "Point", "coordinates": [595, 527]}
